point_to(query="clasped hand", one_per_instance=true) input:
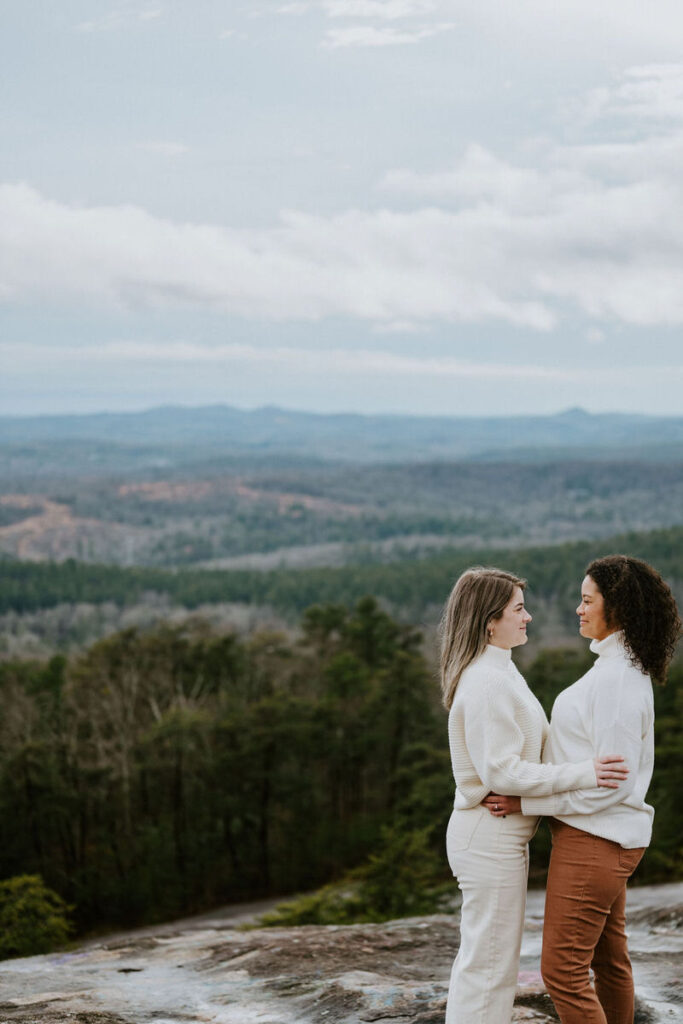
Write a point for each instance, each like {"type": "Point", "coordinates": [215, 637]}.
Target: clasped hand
{"type": "Point", "coordinates": [610, 771]}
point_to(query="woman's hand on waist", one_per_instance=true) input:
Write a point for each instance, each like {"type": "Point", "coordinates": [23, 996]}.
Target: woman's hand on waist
{"type": "Point", "coordinates": [500, 806]}
{"type": "Point", "coordinates": [610, 770]}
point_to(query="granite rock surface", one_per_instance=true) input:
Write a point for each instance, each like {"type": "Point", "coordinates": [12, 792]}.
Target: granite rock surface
{"type": "Point", "coordinates": [208, 969]}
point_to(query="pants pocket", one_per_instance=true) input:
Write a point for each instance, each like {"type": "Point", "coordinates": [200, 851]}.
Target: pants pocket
{"type": "Point", "coordinates": [630, 859]}
{"type": "Point", "coordinates": [462, 828]}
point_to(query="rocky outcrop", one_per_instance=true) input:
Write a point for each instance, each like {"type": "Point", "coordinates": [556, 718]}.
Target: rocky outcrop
{"type": "Point", "coordinates": [207, 969]}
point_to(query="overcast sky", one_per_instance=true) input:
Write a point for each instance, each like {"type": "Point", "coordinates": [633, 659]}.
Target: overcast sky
{"type": "Point", "coordinates": [425, 206]}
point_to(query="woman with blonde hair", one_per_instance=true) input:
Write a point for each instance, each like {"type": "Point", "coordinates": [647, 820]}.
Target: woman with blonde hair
{"type": "Point", "coordinates": [497, 730]}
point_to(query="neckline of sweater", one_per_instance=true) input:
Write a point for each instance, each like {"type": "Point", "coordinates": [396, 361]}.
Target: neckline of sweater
{"type": "Point", "coordinates": [610, 647]}
{"type": "Point", "coordinates": [501, 657]}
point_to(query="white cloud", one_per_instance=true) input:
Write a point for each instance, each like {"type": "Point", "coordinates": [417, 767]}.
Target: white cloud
{"type": "Point", "coordinates": [626, 26]}
{"type": "Point", "coordinates": [593, 229]}
{"type": "Point", "coordinates": [527, 25]}
{"type": "Point", "coordinates": [479, 175]}
{"type": "Point", "coordinates": [332, 361]}
{"type": "Point", "coordinates": [297, 8]}
{"type": "Point", "coordinates": [397, 327]}
{"type": "Point", "coordinates": [121, 17]}
{"type": "Point", "coordinates": [370, 35]}
{"type": "Point", "coordinates": [372, 29]}
{"type": "Point", "coordinates": [649, 93]}
{"type": "Point", "coordinates": [596, 224]}
{"type": "Point", "coordinates": [379, 266]}
{"type": "Point", "coordinates": [164, 148]}
{"type": "Point", "coordinates": [382, 9]}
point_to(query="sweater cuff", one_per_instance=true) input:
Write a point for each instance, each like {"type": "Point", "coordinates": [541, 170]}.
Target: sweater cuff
{"type": "Point", "coordinates": [547, 806]}
{"type": "Point", "coordinates": [582, 777]}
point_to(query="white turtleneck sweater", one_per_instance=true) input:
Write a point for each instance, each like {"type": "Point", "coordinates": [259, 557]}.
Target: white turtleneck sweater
{"type": "Point", "coordinates": [610, 710]}
{"type": "Point", "coordinates": [497, 729]}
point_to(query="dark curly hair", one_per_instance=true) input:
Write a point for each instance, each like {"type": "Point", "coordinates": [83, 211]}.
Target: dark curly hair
{"type": "Point", "coordinates": [638, 601]}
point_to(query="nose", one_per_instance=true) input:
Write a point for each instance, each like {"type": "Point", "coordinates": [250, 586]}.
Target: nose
{"type": "Point", "coordinates": [579, 610]}
{"type": "Point", "coordinates": [527, 617]}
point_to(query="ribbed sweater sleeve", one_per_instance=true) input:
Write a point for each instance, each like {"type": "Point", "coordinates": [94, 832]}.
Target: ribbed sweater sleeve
{"type": "Point", "coordinates": [495, 728]}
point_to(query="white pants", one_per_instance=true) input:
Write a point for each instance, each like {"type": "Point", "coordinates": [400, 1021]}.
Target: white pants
{"type": "Point", "coordinates": [490, 858]}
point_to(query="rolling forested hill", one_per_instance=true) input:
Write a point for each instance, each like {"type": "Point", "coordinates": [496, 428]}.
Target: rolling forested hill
{"type": "Point", "coordinates": [178, 434]}
{"type": "Point", "coordinates": [317, 514]}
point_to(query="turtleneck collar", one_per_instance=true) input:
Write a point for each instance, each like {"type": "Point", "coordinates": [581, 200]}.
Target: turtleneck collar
{"type": "Point", "coordinates": [498, 656]}
{"type": "Point", "coordinates": [609, 647]}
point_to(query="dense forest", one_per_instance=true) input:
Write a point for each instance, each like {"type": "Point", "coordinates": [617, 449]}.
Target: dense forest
{"type": "Point", "coordinates": [412, 587]}
{"type": "Point", "coordinates": [159, 773]}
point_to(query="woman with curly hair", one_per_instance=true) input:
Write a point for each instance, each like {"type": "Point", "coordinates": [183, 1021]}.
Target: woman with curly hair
{"type": "Point", "coordinates": [600, 835]}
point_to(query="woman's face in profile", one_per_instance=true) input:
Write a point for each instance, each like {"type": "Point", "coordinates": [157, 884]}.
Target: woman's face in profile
{"type": "Point", "coordinates": [591, 612]}
{"type": "Point", "coordinates": [510, 629]}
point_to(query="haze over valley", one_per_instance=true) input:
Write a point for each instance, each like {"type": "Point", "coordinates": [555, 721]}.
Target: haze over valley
{"type": "Point", "coordinates": [220, 487]}
{"type": "Point", "coordinates": [232, 492]}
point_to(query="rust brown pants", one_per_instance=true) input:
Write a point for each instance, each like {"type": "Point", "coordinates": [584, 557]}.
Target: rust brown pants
{"type": "Point", "coordinates": [585, 928]}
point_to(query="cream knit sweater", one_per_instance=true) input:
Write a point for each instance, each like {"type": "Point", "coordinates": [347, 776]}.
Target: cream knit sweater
{"type": "Point", "coordinates": [610, 710]}
{"type": "Point", "coordinates": [497, 729]}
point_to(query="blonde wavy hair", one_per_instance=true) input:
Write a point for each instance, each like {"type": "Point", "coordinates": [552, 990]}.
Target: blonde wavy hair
{"type": "Point", "coordinates": [479, 597]}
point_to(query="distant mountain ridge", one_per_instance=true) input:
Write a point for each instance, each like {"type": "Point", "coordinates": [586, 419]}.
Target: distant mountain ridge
{"type": "Point", "coordinates": [355, 437]}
